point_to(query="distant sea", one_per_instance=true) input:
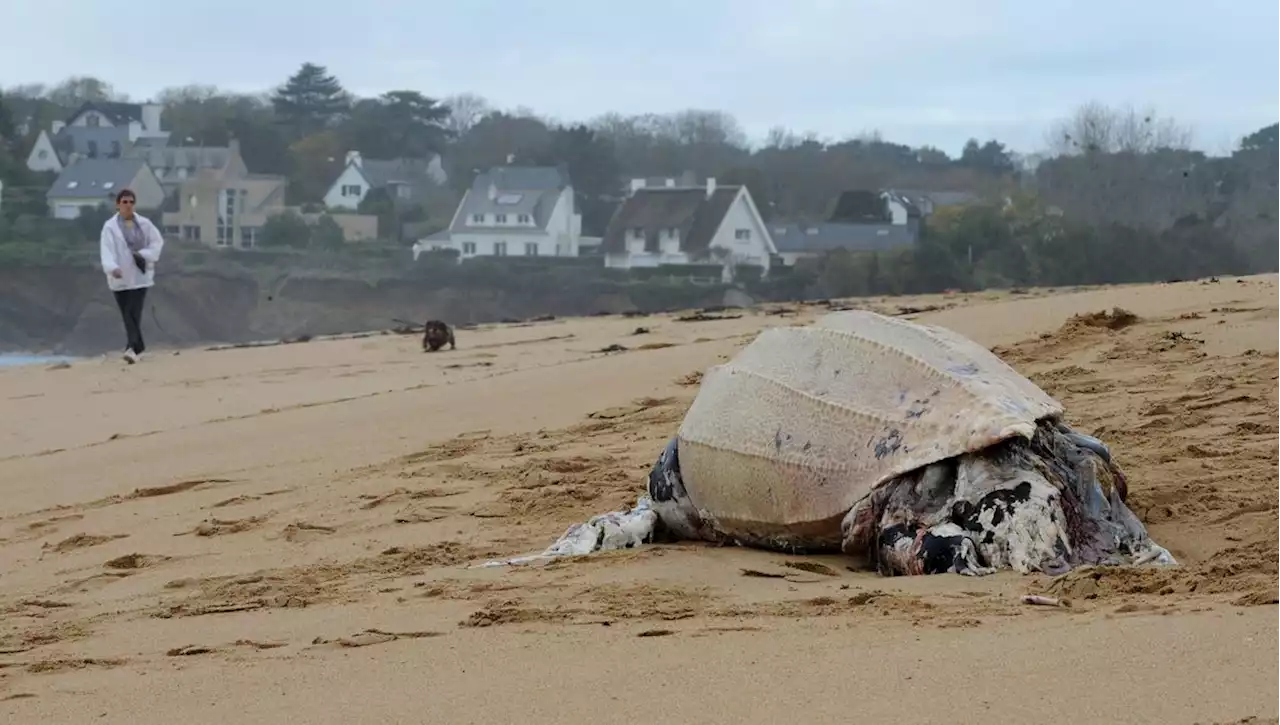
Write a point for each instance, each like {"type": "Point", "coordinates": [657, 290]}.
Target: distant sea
{"type": "Point", "coordinates": [13, 359]}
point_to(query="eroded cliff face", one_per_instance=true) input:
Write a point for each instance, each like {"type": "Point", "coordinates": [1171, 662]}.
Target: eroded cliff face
{"type": "Point", "coordinates": [70, 310]}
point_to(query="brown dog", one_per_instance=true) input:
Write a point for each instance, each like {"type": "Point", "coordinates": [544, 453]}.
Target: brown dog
{"type": "Point", "coordinates": [436, 335]}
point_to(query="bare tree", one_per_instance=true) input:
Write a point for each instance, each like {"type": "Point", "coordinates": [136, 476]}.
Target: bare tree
{"type": "Point", "coordinates": [1098, 128]}
{"type": "Point", "coordinates": [465, 111]}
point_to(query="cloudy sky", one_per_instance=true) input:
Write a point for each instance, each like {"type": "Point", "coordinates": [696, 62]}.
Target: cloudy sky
{"type": "Point", "coordinates": [924, 72]}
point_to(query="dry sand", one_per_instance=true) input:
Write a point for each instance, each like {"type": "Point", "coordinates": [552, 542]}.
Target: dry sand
{"type": "Point", "coordinates": [252, 535]}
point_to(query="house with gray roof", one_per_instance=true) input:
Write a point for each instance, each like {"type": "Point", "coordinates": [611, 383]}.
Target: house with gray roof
{"type": "Point", "coordinates": [681, 225]}
{"type": "Point", "coordinates": [86, 183]}
{"type": "Point", "coordinates": [173, 165]}
{"type": "Point", "coordinates": [404, 179]}
{"type": "Point", "coordinates": [96, 130]}
{"type": "Point", "coordinates": [797, 240]}
{"type": "Point", "coordinates": [516, 211]}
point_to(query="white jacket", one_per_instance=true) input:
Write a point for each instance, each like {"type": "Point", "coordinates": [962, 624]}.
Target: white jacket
{"type": "Point", "coordinates": [116, 255]}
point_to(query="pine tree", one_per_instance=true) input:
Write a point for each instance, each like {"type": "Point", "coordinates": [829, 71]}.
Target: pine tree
{"type": "Point", "coordinates": [310, 100]}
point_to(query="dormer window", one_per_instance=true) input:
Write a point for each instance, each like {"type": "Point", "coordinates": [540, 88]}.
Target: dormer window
{"type": "Point", "coordinates": [637, 232]}
{"type": "Point", "coordinates": [477, 218]}
{"type": "Point", "coordinates": [92, 120]}
{"type": "Point", "coordinates": [499, 218]}
{"type": "Point", "coordinates": [524, 219]}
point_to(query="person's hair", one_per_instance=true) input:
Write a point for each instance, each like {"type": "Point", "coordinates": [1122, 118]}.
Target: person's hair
{"type": "Point", "coordinates": [126, 194]}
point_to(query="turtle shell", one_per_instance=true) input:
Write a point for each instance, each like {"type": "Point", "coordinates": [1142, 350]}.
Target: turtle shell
{"type": "Point", "coordinates": [784, 439]}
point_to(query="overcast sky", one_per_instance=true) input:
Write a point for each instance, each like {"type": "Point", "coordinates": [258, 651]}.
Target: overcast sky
{"type": "Point", "coordinates": [921, 72]}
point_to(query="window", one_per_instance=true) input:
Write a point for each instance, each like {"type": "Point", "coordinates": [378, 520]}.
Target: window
{"type": "Point", "coordinates": [469, 248]}
{"type": "Point", "coordinates": [403, 191]}
{"type": "Point", "coordinates": [93, 147]}
{"type": "Point", "coordinates": [638, 232]}
{"type": "Point", "coordinates": [172, 231]}
{"type": "Point", "coordinates": [742, 235]}
{"type": "Point", "coordinates": [531, 249]}
{"type": "Point", "coordinates": [524, 219]}
{"type": "Point", "coordinates": [93, 120]}
{"type": "Point", "coordinates": [500, 218]}
{"type": "Point", "coordinates": [224, 235]}
{"type": "Point", "coordinates": [191, 233]}
{"type": "Point", "coordinates": [670, 233]}
{"type": "Point", "coordinates": [499, 249]}
{"type": "Point", "coordinates": [115, 149]}
{"type": "Point", "coordinates": [248, 237]}
{"type": "Point", "coordinates": [351, 190]}
{"type": "Point", "coordinates": [477, 218]}
{"type": "Point", "coordinates": [42, 154]}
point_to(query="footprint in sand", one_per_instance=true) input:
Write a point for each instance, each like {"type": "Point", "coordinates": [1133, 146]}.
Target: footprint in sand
{"type": "Point", "coordinates": [82, 541]}
{"type": "Point", "coordinates": [219, 527]}
{"type": "Point", "coordinates": [135, 561]}
{"type": "Point", "coordinates": [371, 637]}
{"type": "Point", "coordinates": [301, 532]}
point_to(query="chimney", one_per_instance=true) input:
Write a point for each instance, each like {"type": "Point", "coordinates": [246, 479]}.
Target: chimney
{"type": "Point", "coordinates": [151, 117]}
{"type": "Point", "coordinates": [511, 159]}
{"type": "Point", "coordinates": [671, 183]}
{"type": "Point", "coordinates": [233, 144]}
{"type": "Point", "coordinates": [636, 185]}
{"type": "Point", "coordinates": [353, 157]}
{"type": "Point", "coordinates": [711, 186]}
{"type": "Point", "coordinates": [56, 126]}
{"type": "Point", "coordinates": [493, 191]}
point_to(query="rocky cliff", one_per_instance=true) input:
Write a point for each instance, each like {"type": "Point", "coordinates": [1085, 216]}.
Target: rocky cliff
{"type": "Point", "coordinates": [69, 310]}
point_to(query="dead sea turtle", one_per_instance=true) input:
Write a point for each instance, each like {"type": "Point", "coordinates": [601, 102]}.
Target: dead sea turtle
{"type": "Point", "coordinates": [906, 444]}
{"type": "Point", "coordinates": [435, 335]}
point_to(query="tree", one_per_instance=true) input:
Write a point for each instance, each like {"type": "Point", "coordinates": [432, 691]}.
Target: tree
{"type": "Point", "coordinates": [77, 90]}
{"type": "Point", "coordinates": [326, 234]}
{"type": "Point", "coordinates": [285, 230]}
{"type": "Point", "coordinates": [593, 169]}
{"type": "Point", "coordinates": [399, 124]}
{"type": "Point", "coordinates": [317, 160]}
{"type": "Point", "coordinates": [1265, 138]}
{"type": "Point", "coordinates": [1096, 128]}
{"type": "Point", "coordinates": [492, 141]}
{"type": "Point", "coordinates": [465, 111]}
{"type": "Point", "coordinates": [311, 100]}
{"type": "Point", "coordinates": [990, 157]}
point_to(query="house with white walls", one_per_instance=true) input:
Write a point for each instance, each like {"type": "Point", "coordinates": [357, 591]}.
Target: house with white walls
{"type": "Point", "coordinates": [97, 130]}
{"type": "Point", "coordinates": [514, 211]}
{"type": "Point", "coordinates": [404, 179]}
{"type": "Point", "coordinates": [672, 224]}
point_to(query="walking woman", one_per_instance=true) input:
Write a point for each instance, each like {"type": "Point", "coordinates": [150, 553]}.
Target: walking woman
{"type": "Point", "coordinates": [130, 247]}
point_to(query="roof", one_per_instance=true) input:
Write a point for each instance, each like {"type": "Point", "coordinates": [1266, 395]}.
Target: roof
{"type": "Point", "coordinates": [94, 178]}
{"type": "Point", "coordinates": [937, 198]}
{"type": "Point", "coordinates": [120, 114]}
{"type": "Point", "coordinates": [530, 190]}
{"type": "Point", "coordinates": [689, 210]}
{"type": "Point", "coordinates": [189, 157]}
{"type": "Point", "coordinates": [829, 236]}
{"type": "Point", "coordinates": [82, 140]}
{"type": "Point", "coordinates": [380, 172]}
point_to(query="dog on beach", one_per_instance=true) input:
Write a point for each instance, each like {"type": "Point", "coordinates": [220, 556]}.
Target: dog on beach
{"type": "Point", "coordinates": [436, 335]}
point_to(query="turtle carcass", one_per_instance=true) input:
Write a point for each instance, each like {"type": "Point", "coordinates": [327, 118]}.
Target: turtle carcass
{"type": "Point", "coordinates": [904, 443]}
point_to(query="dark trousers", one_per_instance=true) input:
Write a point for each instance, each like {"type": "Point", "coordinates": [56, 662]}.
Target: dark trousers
{"type": "Point", "coordinates": [130, 302]}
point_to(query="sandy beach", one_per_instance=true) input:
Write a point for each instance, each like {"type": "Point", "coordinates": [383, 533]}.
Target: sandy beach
{"type": "Point", "coordinates": [250, 535]}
